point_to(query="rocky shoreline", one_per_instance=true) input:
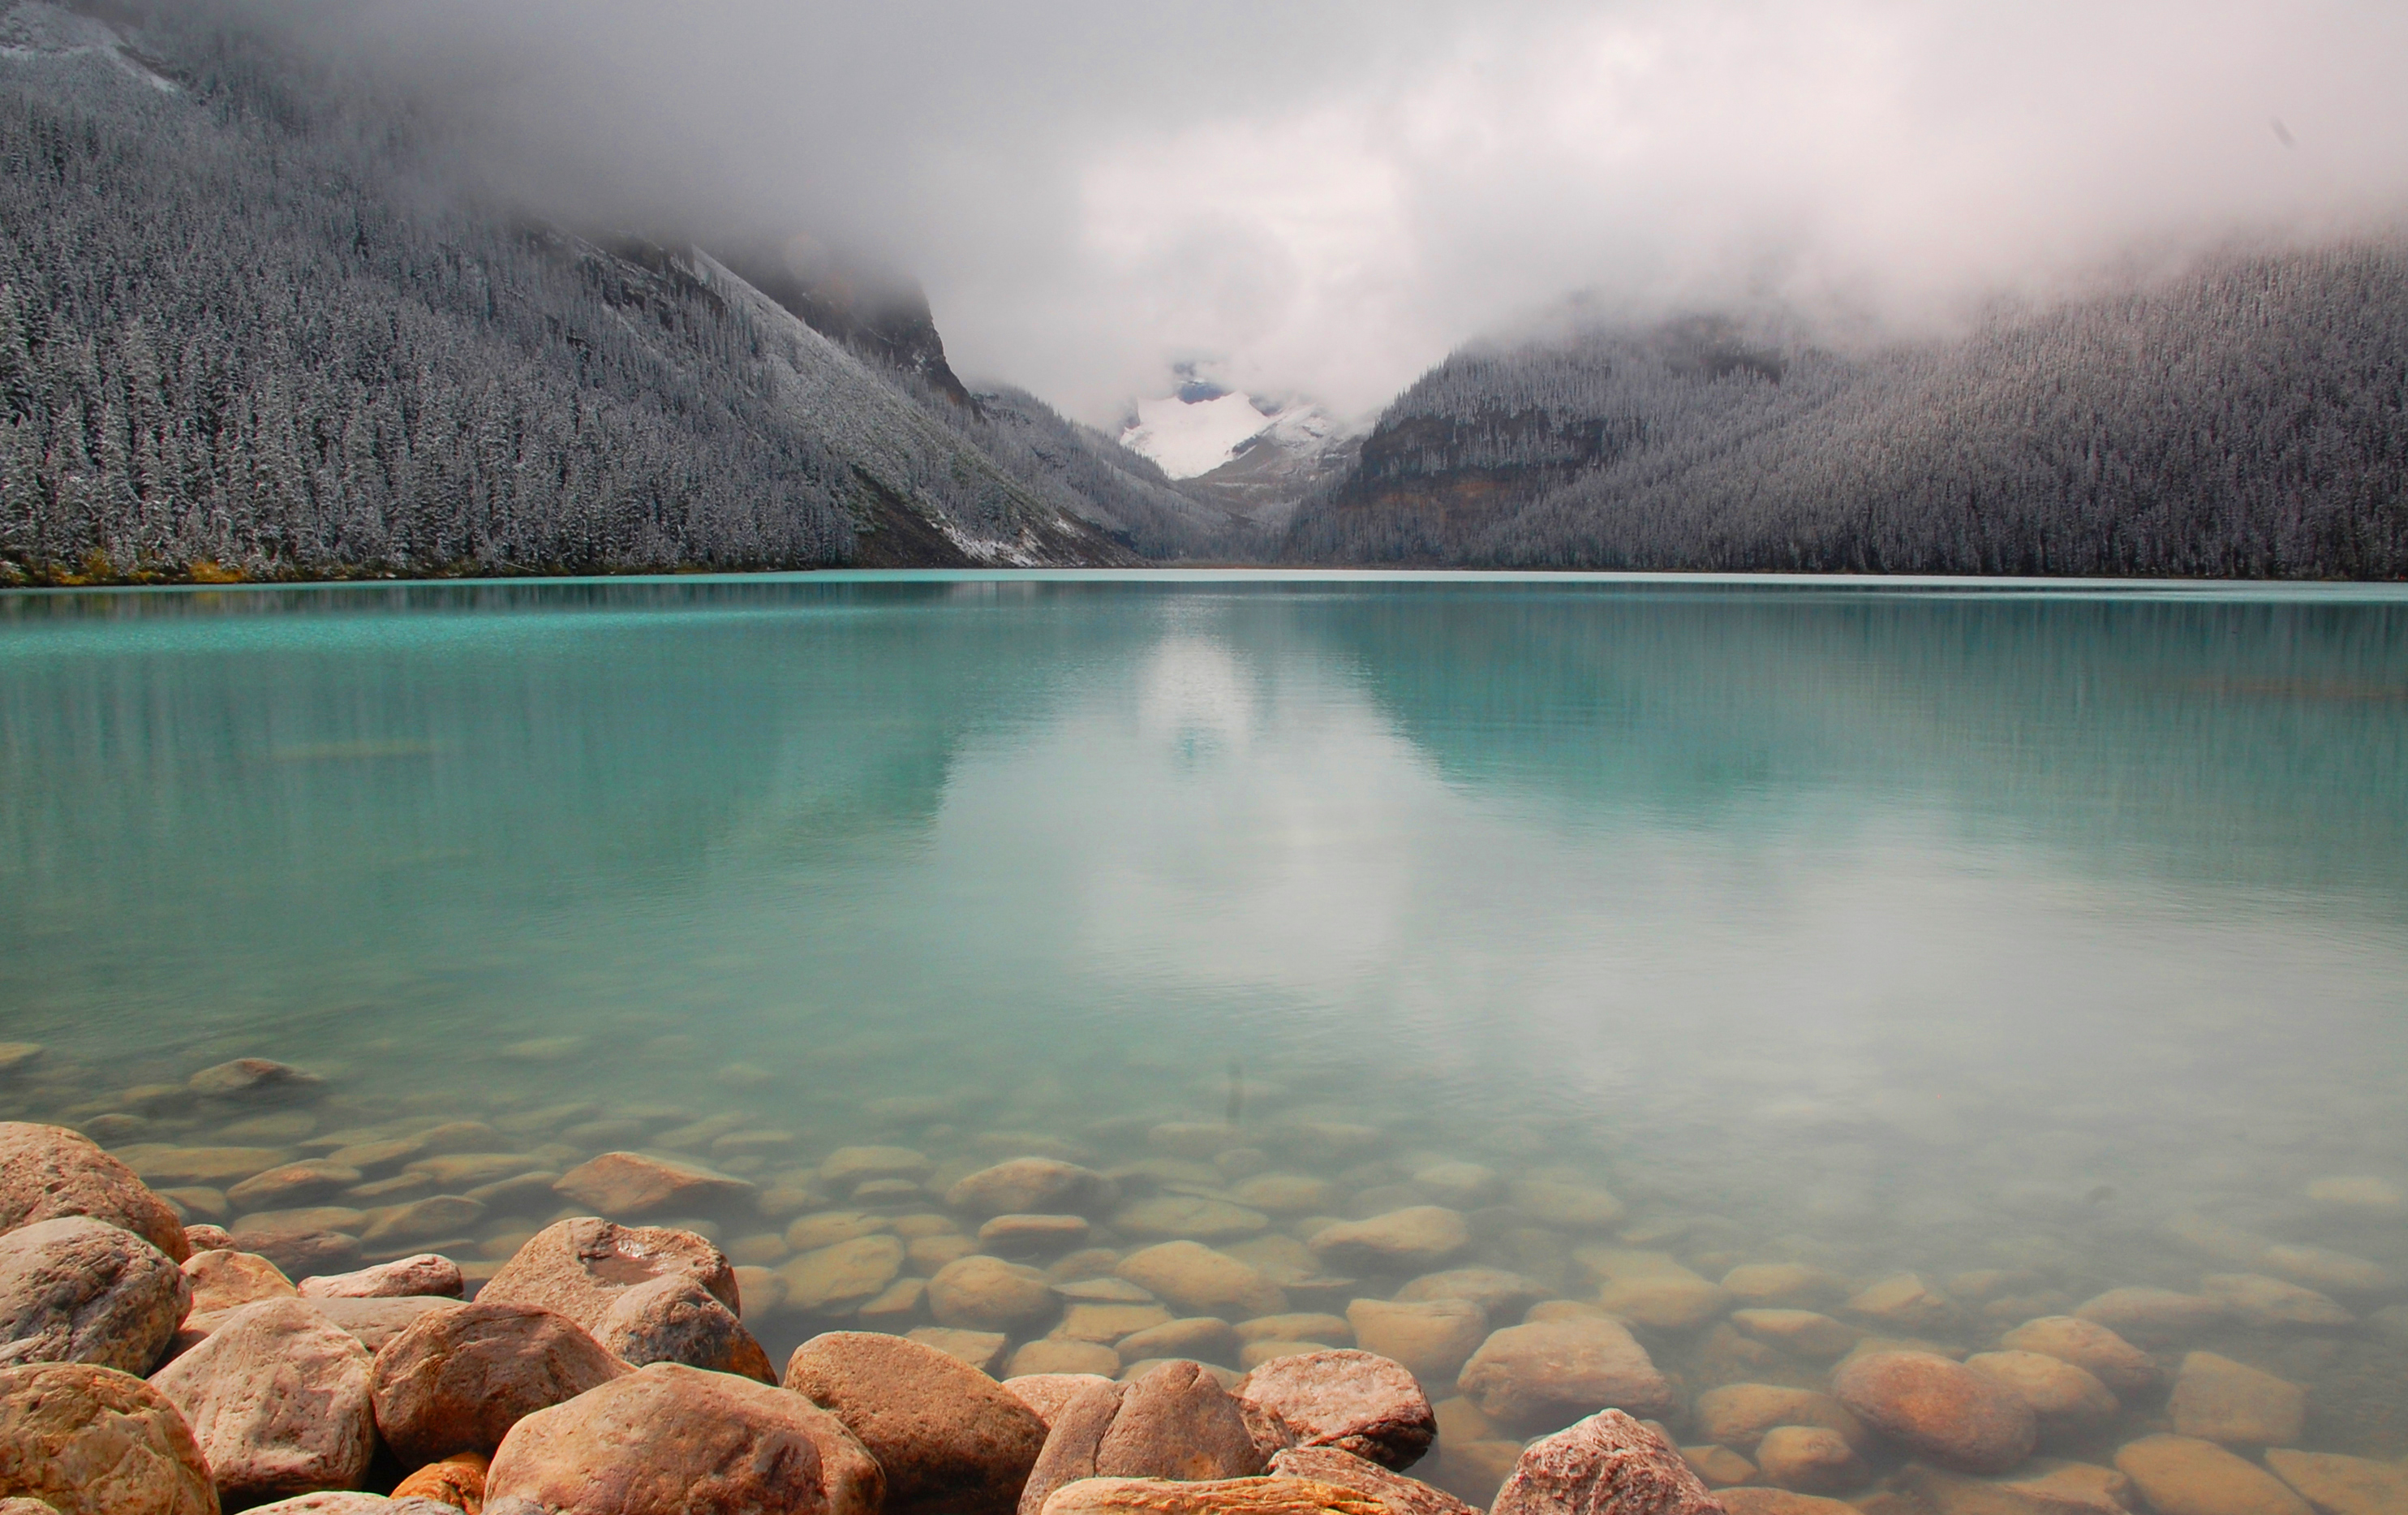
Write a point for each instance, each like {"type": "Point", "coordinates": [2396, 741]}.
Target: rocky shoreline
{"type": "Point", "coordinates": [583, 1311]}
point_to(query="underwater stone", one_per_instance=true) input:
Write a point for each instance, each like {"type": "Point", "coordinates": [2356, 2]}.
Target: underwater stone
{"type": "Point", "coordinates": [1032, 1185]}
{"type": "Point", "coordinates": [980, 1293]}
{"type": "Point", "coordinates": [1433, 1338]}
{"type": "Point", "coordinates": [625, 1184]}
{"type": "Point", "coordinates": [1937, 1409]}
{"type": "Point", "coordinates": [2217, 1399]}
{"type": "Point", "coordinates": [2183, 1475]}
{"type": "Point", "coordinates": [1809, 1459]}
{"type": "Point", "coordinates": [1194, 1276]}
{"type": "Point", "coordinates": [259, 1079]}
{"type": "Point", "coordinates": [1416, 1236]}
{"type": "Point", "coordinates": [2114, 1362]}
{"type": "Point", "coordinates": [2067, 1400]}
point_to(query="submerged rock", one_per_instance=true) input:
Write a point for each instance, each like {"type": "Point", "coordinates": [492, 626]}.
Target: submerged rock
{"type": "Point", "coordinates": [1358, 1402]}
{"type": "Point", "coordinates": [1433, 1338]}
{"type": "Point", "coordinates": [2182, 1476]}
{"type": "Point", "coordinates": [667, 1437]}
{"type": "Point", "coordinates": [1606, 1464]}
{"type": "Point", "coordinates": [827, 1279]}
{"type": "Point", "coordinates": [50, 1172]}
{"type": "Point", "coordinates": [1805, 1333]}
{"type": "Point", "coordinates": [1417, 1236]}
{"type": "Point", "coordinates": [278, 1400]}
{"type": "Point", "coordinates": [2151, 1315]}
{"type": "Point", "coordinates": [951, 1441]}
{"type": "Point", "coordinates": [1738, 1415]}
{"type": "Point", "coordinates": [2257, 1300]}
{"type": "Point", "coordinates": [1809, 1459]}
{"type": "Point", "coordinates": [1555, 1371]}
{"type": "Point", "coordinates": [1195, 1278]}
{"type": "Point", "coordinates": [1189, 1215]}
{"type": "Point", "coordinates": [1937, 1409]}
{"type": "Point", "coordinates": [1030, 1185]}
{"type": "Point", "coordinates": [628, 1185]}
{"type": "Point", "coordinates": [260, 1080]}
{"type": "Point", "coordinates": [2066, 1400]}
{"type": "Point", "coordinates": [2344, 1485]}
{"type": "Point", "coordinates": [2217, 1399]}
{"type": "Point", "coordinates": [980, 1293]}
{"type": "Point", "coordinates": [77, 1290]}
{"type": "Point", "coordinates": [1201, 1338]}
{"type": "Point", "coordinates": [2108, 1357]}
{"type": "Point", "coordinates": [89, 1440]}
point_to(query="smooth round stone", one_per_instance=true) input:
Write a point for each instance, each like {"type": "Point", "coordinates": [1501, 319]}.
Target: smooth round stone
{"type": "Point", "coordinates": [1716, 1466]}
{"type": "Point", "coordinates": [1204, 1339]}
{"type": "Point", "coordinates": [278, 1399]}
{"type": "Point", "coordinates": [2217, 1399]}
{"type": "Point", "coordinates": [673, 1318]}
{"type": "Point", "coordinates": [1358, 1402]}
{"type": "Point", "coordinates": [1664, 1303]}
{"type": "Point", "coordinates": [424, 1274]}
{"type": "Point", "coordinates": [1904, 1302]}
{"type": "Point", "coordinates": [1566, 1207]}
{"type": "Point", "coordinates": [933, 1252]}
{"type": "Point", "coordinates": [1031, 1186]}
{"type": "Point", "coordinates": [981, 1349]}
{"type": "Point", "coordinates": [2182, 1476]}
{"type": "Point", "coordinates": [1737, 1415]}
{"type": "Point", "coordinates": [1028, 1235]}
{"type": "Point", "coordinates": [78, 1290]}
{"type": "Point", "coordinates": [460, 1377]}
{"type": "Point", "coordinates": [980, 1293]}
{"type": "Point", "coordinates": [629, 1185]}
{"type": "Point", "coordinates": [89, 1440]}
{"type": "Point", "coordinates": [293, 1184]}
{"type": "Point", "coordinates": [899, 1301]}
{"type": "Point", "coordinates": [2066, 1400]}
{"type": "Point", "coordinates": [1784, 1285]}
{"type": "Point", "coordinates": [223, 1279]}
{"type": "Point", "coordinates": [1606, 1465]}
{"type": "Point", "coordinates": [1286, 1193]}
{"type": "Point", "coordinates": [948, 1436]}
{"type": "Point", "coordinates": [1805, 1333]}
{"type": "Point", "coordinates": [1939, 1409]}
{"type": "Point", "coordinates": [1190, 1216]}
{"type": "Point", "coordinates": [2108, 1357]}
{"type": "Point", "coordinates": [1461, 1185]}
{"type": "Point", "coordinates": [1177, 1421]}
{"type": "Point", "coordinates": [830, 1277]}
{"type": "Point", "coordinates": [169, 1165]}
{"type": "Point", "coordinates": [1501, 1292]}
{"type": "Point", "coordinates": [826, 1228]}
{"type": "Point", "coordinates": [1329, 1329]}
{"type": "Point", "coordinates": [1107, 1322]}
{"type": "Point", "coordinates": [1559, 1370]}
{"type": "Point", "coordinates": [2150, 1315]}
{"type": "Point", "coordinates": [580, 1267]}
{"type": "Point", "coordinates": [1416, 1236]}
{"type": "Point", "coordinates": [1053, 1358]}
{"type": "Point", "coordinates": [2344, 1485]}
{"type": "Point", "coordinates": [1195, 1278]}
{"type": "Point", "coordinates": [2257, 1300]}
{"type": "Point", "coordinates": [258, 1079]}
{"type": "Point", "coordinates": [1809, 1459]}
{"type": "Point", "coordinates": [1432, 1337]}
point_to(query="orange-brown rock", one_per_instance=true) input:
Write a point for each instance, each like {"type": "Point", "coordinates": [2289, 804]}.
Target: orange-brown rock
{"type": "Point", "coordinates": [278, 1398]}
{"type": "Point", "coordinates": [457, 1480]}
{"type": "Point", "coordinates": [1358, 1402]}
{"type": "Point", "coordinates": [1033, 1185]}
{"type": "Point", "coordinates": [1737, 1415]}
{"type": "Point", "coordinates": [951, 1441]}
{"type": "Point", "coordinates": [664, 1437]}
{"type": "Point", "coordinates": [77, 1290]}
{"type": "Point", "coordinates": [1417, 1236]}
{"type": "Point", "coordinates": [223, 1279]}
{"type": "Point", "coordinates": [1344, 1470]}
{"type": "Point", "coordinates": [673, 1318]}
{"type": "Point", "coordinates": [2067, 1400]}
{"type": "Point", "coordinates": [1809, 1459]}
{"type": "Point", "coordinates": [1226, 1496]}
{"type": "Point", "coordinates": [89, 1440]}
{"type": "Point", "coordinates": [1937, 1409]}
{"type": "Point", "coordinates": [1766, 1501]}
{"type": "Point", "coordinates": [629, 1186]}
{"type": "Point", "coordinates": [427, 1274]}
{"type": "Point", "coordinates": [458, 1378]}
{"type": "Point", "coordinates": [1606, 1464]}
{"type": "Point", "coordinates": [2344, 1485]}
{"type": "Point", "coordinates": [1177, 1421]}
{"type": "Point", "coordinates": [47, 1172]}
{"type": "Point", "coordinates": [1047, 1393]}
{"type": "Point", "coordinates": [578, 1268]}
{"type": "Point", "coordinates": [2088, 1345]}
{"type": "Point", "coordinates": [2185, 1476]}
{"type": "Point", "coordinates": [2217, 1399]}
{"type": "Point", "coordinates": [1531, 1376]}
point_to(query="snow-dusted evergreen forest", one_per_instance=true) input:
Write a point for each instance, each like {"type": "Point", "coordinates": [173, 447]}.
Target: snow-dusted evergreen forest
{"type": "Point", "coordinates": [2246, 418]}
{"type": "Point", "coordinates": [242, 332]}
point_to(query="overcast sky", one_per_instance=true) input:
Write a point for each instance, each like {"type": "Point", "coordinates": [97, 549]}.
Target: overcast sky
{"type": "Point", "coordinates": [1325, 196]}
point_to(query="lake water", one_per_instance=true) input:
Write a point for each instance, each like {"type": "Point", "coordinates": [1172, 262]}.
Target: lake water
{"type": "Point", "coordinates": [2039, 941]}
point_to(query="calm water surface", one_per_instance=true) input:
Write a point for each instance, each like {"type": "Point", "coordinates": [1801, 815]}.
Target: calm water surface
{"type": "Point", "coordinates": [2039, 942]}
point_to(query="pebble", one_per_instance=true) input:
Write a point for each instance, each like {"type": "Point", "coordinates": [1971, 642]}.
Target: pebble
{"type": "Point", "coordinates": [1196, 1278]}
{"type": "Point", "coordinates": [1417, 1236]}
{"type": "Point", "coordinates": [420, 1221]}
{"type": "Point", "coordinates": [1718, 1465]}
{"type": "Point", "coordinates": [278, 1399]}
{"type": "Point", "coordinates": [2108, 1357]}
{"type": "Point", "coordinates": [1556, 1371]}
{"type": "Point", "coordinates": [978, 1293]}
{"type": "Point", "coordinates": [1356, 1401]}
{"type": "Point", "coordinates": [1432, 1337]}
{"type": "Point", "coordinates": [667, 1437]}
{"type": "Point", "coordinates": [826, 1228]}
{"type": "Point", "coordinates": [89, 1440]}
{"type": "Point", "coordinates": [322, 1238]}
{"type": "Point", "coordinates": [77, 1290]}
{"type": "Point", "coordinates": [461, 1376]}
{"type": "Point", "coordinates": [949, 1438]}
{"type": "Point", "coordinates": [1809, 1459]}
{"type": "Point", "coordinates": [1049, 1357]}
{"type": "Point", "coordinates": [2217, 1399]}
{"type": "Point", "coordinates": [1286, 1193]}
{"type": "Point", "coordinates": [1606, 1464]}
{"type": "Point", "coordinates": [827, 1278]}
{"type": "Point", "coordinates": [1500, 1292]}
{"type": "Point", "coordinates": [1806, 1334]}
{"type": "Point", "coordinates": [293, 1183]}
{"type": "Point", "coordinates": [626, 1186]}
{"type": "Point", "coordinates": [2182, 1476]}
{"type": "Point", "coordinates": [2342, 1485]}
{"type": "Point", "coordinates": [848, 1165]}
{"type": "Point", "coordinates": [1937, 1409]}
{"type": "Point", "coordinates": [1107, 1323]}
{"type": "Point", "coordinates": [1666, 1304]}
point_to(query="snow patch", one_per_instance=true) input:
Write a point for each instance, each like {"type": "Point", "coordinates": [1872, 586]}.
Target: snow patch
{"type": "Point", "coordinates": [37, 29]}
{"type": "Point", "coordinates": [1188, 438]}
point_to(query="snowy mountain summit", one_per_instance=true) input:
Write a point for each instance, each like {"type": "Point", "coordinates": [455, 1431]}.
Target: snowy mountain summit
{"type": "Point", "coordinates": [1255, 455]}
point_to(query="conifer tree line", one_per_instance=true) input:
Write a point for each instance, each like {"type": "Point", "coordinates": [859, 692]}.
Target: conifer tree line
{"type": "Point", "coordinates": [2247, 419]}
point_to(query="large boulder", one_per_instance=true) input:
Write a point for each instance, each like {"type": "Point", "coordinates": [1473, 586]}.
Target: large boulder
{"type": "Point", "coordinates": [1344, 1470]}
{"type": "Point", "coordinates": [1220, 1496]}
{"type": "Point", "coordinates": [89, 1440]}
{"type": "Point", "coordinates": [279, 1399]}
{"type": "Point", "coordinates": [47, 1172]}
{"type": "Point", "coordinates": [1078, 1410]}
{"type": "Point", "coordinates": [631, 1185]}
{"type": "Point", "coordinates": [951, 1441]}
{"type": "Point", "coordinates": [1937, 1409]}
{"type": "Point", "coordinates": [375, 1321]}
{"type": "Point", "coordinates": [1176, 1421]}
{"type": "Point", "coordinates": [76, 1290]}
{"type": "Point", "coordinates": [666, 1437]}
{"type": "Point", "coordinates": [578, 1268]}
{"type": "Point", "coordinates": [1606, 1464]}
{"type": "Point", "coordinates": [428, 1275]}
{"type": "Point", "coordinates": [1358, 1402]}
{"type": "Point", "coordinates": [1545, 1374]}
{"type": "Point", "coordinates": [1033, 1186]}
{"type": "Point", "coordinates": [458, 1378]}
{"type": "Point", "coordinates": [675, 1320]}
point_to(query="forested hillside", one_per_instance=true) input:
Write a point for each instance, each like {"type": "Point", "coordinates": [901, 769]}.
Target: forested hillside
{"type": "Point", "coordinates": [244, 332]}
{"type": "Point", "coordinates": [2248, 418]}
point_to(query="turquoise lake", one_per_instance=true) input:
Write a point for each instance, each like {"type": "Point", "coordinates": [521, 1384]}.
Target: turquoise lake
{"type": "Point", "coordinates": [2038, 940]}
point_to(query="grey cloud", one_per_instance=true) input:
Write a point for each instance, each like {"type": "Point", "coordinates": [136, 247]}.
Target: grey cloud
{"type": "Point", "coordinates": [1325, 195]}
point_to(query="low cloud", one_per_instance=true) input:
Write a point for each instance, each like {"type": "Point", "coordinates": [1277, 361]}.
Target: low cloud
{"type": "Point", "coordinates": [1325, 196]}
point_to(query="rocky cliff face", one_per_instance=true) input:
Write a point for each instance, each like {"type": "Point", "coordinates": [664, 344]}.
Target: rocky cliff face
{"type": "Point", "coordinates": [880, 314]}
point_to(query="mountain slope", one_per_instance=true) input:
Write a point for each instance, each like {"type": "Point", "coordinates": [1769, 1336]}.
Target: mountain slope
{"type": "Point", "coordinates": [2247, 419]}
{"type": "Point", "coordinates": [243, 332]}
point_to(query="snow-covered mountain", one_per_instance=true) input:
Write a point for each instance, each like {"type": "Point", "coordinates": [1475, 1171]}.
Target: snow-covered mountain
{"type": "Point", "coordinates": [1253, 456]}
